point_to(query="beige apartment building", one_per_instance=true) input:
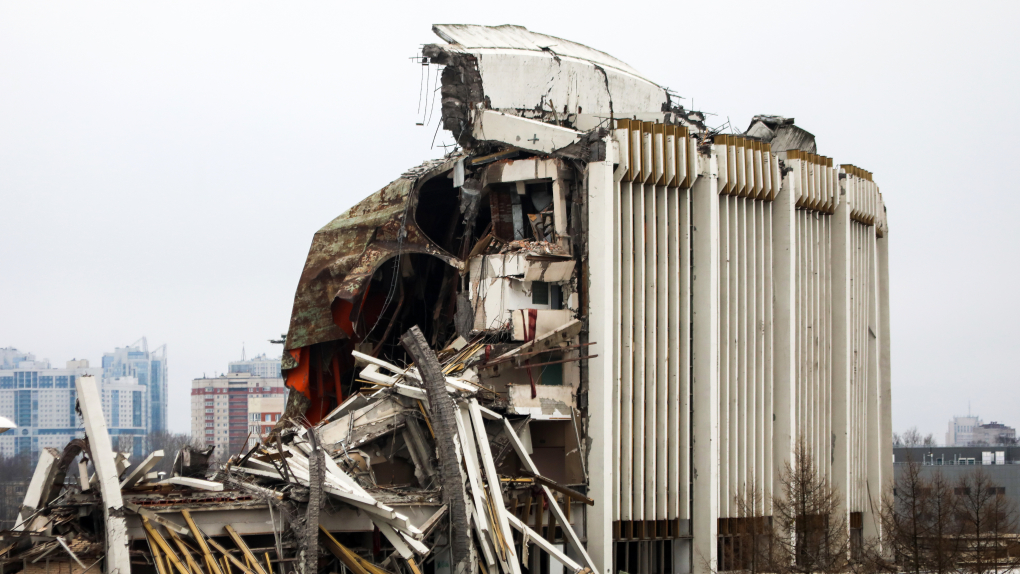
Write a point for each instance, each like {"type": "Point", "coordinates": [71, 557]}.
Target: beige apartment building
{"type": "Point", "coordinates": [235, 410]}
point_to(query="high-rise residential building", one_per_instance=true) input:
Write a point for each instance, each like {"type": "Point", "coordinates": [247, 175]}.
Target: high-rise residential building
{"type": "Point", "coordinates": [40, 400]}
{"type": "Point", "coordinates": [150, 369]}
{"type": "Point", "coordinates": [257, 366]}
{"type": "Point", "coordinates": [961, 430]}
{"type": "Point", "coordinates": [235, 410]}
{"type": "Point", "coordinates": [10, 357]}
{"type": "Point", "coordinates": [126, 417]}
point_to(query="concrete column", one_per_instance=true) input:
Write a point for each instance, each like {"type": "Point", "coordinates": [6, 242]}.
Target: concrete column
{"type": "Point", "coordinates": [885, 363]}
{"type": "Point", "coordinates": [874, 435]}
{"type": "Point", "coordinates": [39, 486]}
{"type": "Point", "coordinates": [705, 319]}
{"type": "Point", "coordinates": [601, 313]}
{"type": "Point", "coordinates": [842, 349]}
{"type": "Point", "coordinates": [784, 253]}
{"type": "Point", "coordinates": [91, 403]}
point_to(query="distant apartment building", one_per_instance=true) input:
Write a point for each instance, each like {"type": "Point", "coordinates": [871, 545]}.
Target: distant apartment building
{"type": "Point", "coordinates": [40, 400]}
{"type": "Point", "coordinates": [992, 434]}
{"type": "Point", "coordinates": [258, 366]}
{"type": "Point", "coordinates": [150, 369]}
{"type": "Point", "coordinates": [970, 431]}
{"type": "Point", "coordinates": [11, 357]}
{"type": "Point", "coordinates": [961, 430]}
{"type": "Point", "coordinates": [126, 416]}
{"type": "Point", "coordinates": [236, 410]}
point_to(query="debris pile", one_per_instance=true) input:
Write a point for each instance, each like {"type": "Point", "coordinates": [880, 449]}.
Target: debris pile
{"type": "Point", "coordinates": [377, 460]}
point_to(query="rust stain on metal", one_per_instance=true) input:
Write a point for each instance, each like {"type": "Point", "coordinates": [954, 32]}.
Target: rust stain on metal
{"type": "Point", "coordinates": [348, 250]}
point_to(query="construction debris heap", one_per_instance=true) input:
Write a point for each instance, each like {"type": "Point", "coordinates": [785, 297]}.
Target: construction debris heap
{"type": "Point", "coordinates": [574, 343]}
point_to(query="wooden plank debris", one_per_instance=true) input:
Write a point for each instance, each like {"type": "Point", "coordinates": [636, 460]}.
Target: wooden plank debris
{"type": "Point", "coordinates": [200, 538]}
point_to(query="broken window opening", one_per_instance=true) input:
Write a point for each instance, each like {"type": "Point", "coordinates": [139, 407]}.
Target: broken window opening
{"type": "Point", "coordinates": [437, 213]}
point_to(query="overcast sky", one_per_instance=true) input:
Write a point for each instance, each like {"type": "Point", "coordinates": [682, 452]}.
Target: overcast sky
{"type": "Point", "coordinates": [163, 166]}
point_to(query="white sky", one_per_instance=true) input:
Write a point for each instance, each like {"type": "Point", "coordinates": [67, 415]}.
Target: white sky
{"type": "Point", "coordinates": [163, 166]}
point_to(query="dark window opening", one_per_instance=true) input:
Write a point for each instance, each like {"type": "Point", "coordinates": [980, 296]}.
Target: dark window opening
{"type": "Point", "coordinates": [539, 293]}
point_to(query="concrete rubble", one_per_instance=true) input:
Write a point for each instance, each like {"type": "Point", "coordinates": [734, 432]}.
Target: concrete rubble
{"type": "Point", "coordinates": [374, 465]}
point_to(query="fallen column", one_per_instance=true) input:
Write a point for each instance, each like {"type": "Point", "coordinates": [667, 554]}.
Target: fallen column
{"type": "Point", "coordinates": [91, 404]}
{"type": "Point", "coordinates": [450, 472]}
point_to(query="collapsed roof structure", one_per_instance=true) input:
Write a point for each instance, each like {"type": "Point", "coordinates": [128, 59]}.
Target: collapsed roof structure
{"type": "Point", "coordinates": [572, 344]}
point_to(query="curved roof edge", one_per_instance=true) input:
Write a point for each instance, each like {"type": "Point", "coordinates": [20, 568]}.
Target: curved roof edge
{"type": "Point", "coordinates": [514, 37]}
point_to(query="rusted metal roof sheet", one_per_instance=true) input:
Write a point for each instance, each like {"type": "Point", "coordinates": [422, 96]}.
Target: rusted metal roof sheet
{"type": "Point", "coordinates": [348, 250]}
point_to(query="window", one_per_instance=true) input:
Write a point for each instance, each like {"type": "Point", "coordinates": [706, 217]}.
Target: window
{"type": "Point", "coordinates": [551, 375]}
{"type": "Point", "coordinates": [539, 293]}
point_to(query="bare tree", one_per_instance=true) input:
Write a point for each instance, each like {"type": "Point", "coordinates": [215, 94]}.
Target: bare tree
{"type": "Point", "coordinates": [943, 546]}
{"type": "Point", "coordinates": [986, 519]}
{"type": "Point", "coordinates": [16, 471]}
{"type": "Point", "coordinates": [17, 468]}
{"type": "Point", "coordinates": [810, 532]}
{"type": "Point", "coordinates": [124, 444]}
{"type": "Point", "coordinates": [746, 540]}
{"type": "Point", "coordinates": [912, 437]}
{"type": "Point", "coordinates": [919, 522]}
{"type": "Point", "coordinates": [905, 519]}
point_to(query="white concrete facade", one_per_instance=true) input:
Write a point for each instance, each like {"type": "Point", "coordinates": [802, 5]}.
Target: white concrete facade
{"type": "Point", "coordinates": [749, 311]}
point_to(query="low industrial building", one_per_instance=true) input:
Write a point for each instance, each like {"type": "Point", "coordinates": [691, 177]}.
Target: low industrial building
{"type": "Point", "coordinates": [1000, 463]}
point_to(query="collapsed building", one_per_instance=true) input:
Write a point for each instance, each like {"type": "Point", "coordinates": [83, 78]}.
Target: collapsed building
{"type": "Point", "coordinates": [574, 343]}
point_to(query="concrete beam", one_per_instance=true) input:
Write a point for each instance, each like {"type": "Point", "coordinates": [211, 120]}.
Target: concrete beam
{"type": "Point", "coordinates": [705, 368]}
{"type": "Point", "coordinates": [138, 473]}
{"type": "Point", "coordinates": [91, 403]}
{"type": "Point", "coordinates": [45, 469]}
{"type": "Point", "coordinates": [842, 348]}
{"type": "Point", "coordinates": [521, 132]}
{"type": "Point", "coordinates": [601, 313]}
{"type": "Point", "coordinates": [784, 253]}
